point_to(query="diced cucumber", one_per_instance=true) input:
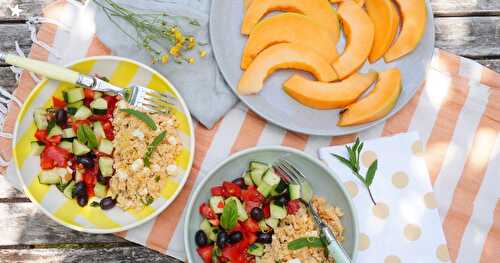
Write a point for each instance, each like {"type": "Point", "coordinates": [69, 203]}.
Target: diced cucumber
{"type": "Point", "coordinates": [106, 166]}
{"type": "Point", "coordinates": [80, 148]}
{"type": "Point", "coordinates": [209, 230]}
{"type": "Point", "coordinates": [271, 178]}
{"type": "Point", "coordinates": [257, 176]}
{"type": "Point", "coordinates": [272, 222]}
{"type": "Point", "coordinates": [277, 211]}
{"type": "Point", "coordinates": [68, 146]}
{"type": "Point", "coordinates": [56, 130]}
{"type": "Point", "coordinates": [66, 177]}
{"type": "Point", "coordinates": [100, 190]}
{"type": "Point", "coordinates": [73, 95]}
{"type": "Point", "coordinates": [83, 113]}
{"type": "Point", "coordinates": [68, 133]}
{"type": "Point", "coordinates": [68, 191]}
{"type": "Point", "coordinates": [97, 94]}
{"type": "Point", "coordinates": [263, 226]}
{"type": "Point", "coordinates": [98, 130]}
{"type": "Point", "coordinates": [279, 189]}
{"type": "Point", "coordinates": [76, 105]}
{"type": "Point", "coordinates": [215, 202]}
{"type": "Point", "coordinates": [40, 117]}
{"type": "Point", "coordinates": [99, 106]}
{"type": "Point", "coordinates": [256, 249]}
{"type": "Point", "coordinates": [242, 213]}
{"type": "Point", "coordinates": [37, 148]}
{"type": "Point", "coordinates": [51, 176]}
{"type": "Point", "coordinates": [248, 179]}
{"type": "Point", "coordinates": [294, 190]}
{"type": "Point", "coordinates": [255, 165]}
{"type": "Point", "coordinates": [264, 188]}
{"type": "Point", "coordinates": [106, 146]}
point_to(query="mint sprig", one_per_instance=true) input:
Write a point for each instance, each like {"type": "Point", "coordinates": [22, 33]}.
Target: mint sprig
{"type": "Point", "coordinates": [354, 152]}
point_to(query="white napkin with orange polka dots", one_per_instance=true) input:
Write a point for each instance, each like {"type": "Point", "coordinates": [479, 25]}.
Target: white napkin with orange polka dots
{"type": "Point", "coordinates": [405, 225]}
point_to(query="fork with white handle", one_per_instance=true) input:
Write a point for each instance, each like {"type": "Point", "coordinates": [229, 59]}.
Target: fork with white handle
{"type": "Point", "coordinates": [135, 95]}
{"type": "Point", "coordinates": [294, 176]}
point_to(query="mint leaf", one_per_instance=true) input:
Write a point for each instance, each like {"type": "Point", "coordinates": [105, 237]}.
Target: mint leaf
{"type": "Point", "coordinates": [343, 160]}
{"type": "Point", "coordinates": [141, 116]}
{"type": "Point", "coordinates": [305, 242]}
{"type": "Point", "coordinates": [229, 216]}
{"type": "Point", "coordinates": [152, 147]}
{"type": "Point", "coordinates": [90, 136]}
{"type": "Point", "coordinates": [370, 174]}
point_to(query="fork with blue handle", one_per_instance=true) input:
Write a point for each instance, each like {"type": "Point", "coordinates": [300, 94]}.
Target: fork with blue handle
{"type": "Point", "coordinates": [294, 176]}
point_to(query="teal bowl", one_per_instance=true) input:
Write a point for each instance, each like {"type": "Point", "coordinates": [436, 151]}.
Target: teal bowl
{"type": "Point", "coordinates": [323, 181]}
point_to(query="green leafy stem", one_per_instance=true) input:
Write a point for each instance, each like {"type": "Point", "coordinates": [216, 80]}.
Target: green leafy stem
{"type": "Point", "coordinates": [353, 163]}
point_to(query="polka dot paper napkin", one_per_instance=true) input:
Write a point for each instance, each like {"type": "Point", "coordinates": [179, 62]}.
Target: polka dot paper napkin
{"type": "Point", "coordinates": [405, 225]}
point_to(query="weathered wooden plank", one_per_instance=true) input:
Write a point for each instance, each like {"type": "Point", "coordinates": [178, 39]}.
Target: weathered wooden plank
{"type": "Point", "coordinates": [465, 7]}
{"type": "Point", "coordinates": [440, 8]}
{"type": "Point", "coordinates": [23, 223]}
{"type": "Point", "coordinates": [7, 191]}
{"type": "Point", "coordinates": [29, 8]}
{"type": "Point", "coordinates": [475, 37]}
{"type": "Point", "coordinates": [11, 33]}
{"type": "Point", "coordinates": [91, 255]}
{"type": "Point", "coordinates": [491, 63]}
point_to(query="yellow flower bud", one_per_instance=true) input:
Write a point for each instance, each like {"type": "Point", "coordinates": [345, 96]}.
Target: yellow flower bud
{"type": "Point", "coordinates": [164, 59]}
{"type": "Point", "coordinates": [191, 60]}
{"type": "Point", "coordinates": [203, 53]}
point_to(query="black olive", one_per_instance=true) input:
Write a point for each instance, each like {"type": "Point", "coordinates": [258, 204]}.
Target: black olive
{"type": "Point", "coordinates": [103, 179]}
{"type": "Point", "coordinates": [240, 182]}
{"type": "Point", "coordinates": [61, 117]}
{"type": "Point", "coordinates": [235, 237]}
{"type": "Point", "coordinates": [222, 238]}
{"type": "Point", "coordinates": [82, 200]}
{"type": "Point", "coordinates": [107, 203]}
{"type": "Point", "coordinates": [86, 161]}
{"type": "Point", "coordinates": [80, 189]}
{"type": "Point", "coordinates": [256, 213]}
{"type": "Point", "coordinates": [265, 238]}
{"type": "Point", "coordinates": [282, 200]}
{"type": "Point", "coordinates": [91, 155]}
{"type": "Point", "coordinates": [200, 238]}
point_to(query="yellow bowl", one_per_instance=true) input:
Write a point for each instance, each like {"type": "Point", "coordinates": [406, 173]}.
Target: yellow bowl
{"type": "Point", "coordinates": [121, 72]}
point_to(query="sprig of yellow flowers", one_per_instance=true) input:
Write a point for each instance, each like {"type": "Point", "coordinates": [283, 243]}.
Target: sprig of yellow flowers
{"type": "Point", "coordinates": [157, 33]}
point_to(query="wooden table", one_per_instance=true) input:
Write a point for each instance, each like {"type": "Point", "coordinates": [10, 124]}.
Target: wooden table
{"type": "Point", "coordinates": [469, 28]}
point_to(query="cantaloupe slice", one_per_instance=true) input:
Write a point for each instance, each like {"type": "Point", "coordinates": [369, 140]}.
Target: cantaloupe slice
{"type": "Point", "coordinates": [322, 95]}
{"type": "Point", "coordinates": [385, 17]}
{"type": "Point", "coordinates": [286, 28]}
{"type": "Point", "coordinates": [360, 2]}
{"type": "Point", "coordinates": [359, 31]}
{"type": "Point", "coordinates": [414, 20]}
{"type": "Point", "coordinates": [318, 10]}
{"type": "Point", "coordinates": [378, 103]}
{"type": "Point", "coordinates": [284, 56]}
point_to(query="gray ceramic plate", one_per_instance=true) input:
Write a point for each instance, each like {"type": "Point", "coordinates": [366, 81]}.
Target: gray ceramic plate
{"type": "Point", "coordinates": [324, 183]}
{"type": "Point", "coordinates": [274, 105]}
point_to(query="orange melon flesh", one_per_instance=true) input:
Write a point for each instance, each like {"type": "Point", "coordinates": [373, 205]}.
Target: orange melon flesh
{"type": "Point", "coordinates": [378, 103]}
{"type": "Point", "coordinates": [318, 10]}
{"type": "Point", "coordinates": [283, 56]}
{"type": "Point", "coordinates": [414, 19]}
{"type": "Point", "coordinates": [360, 32]}
{"type": "Point", "coordinates": [385, 17]}
{"type": "Point", "coordinates": [360, 2]}
{"type": "Point", "coordinates": [285, 28]}
{"type": "Point", "coordinates": [321, 95]}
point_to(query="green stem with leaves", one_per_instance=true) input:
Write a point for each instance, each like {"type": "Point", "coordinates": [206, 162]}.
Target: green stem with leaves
{"type": "Point", "coordinates": [353, 163]}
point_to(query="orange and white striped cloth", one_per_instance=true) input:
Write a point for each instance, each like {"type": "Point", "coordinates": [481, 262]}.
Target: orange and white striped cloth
{"type": "Point", "coordinates": [456, 113]}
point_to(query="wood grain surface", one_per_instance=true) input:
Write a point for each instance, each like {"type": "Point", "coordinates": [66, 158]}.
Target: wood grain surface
{"type": "Point", "coordinates": [469, 28]}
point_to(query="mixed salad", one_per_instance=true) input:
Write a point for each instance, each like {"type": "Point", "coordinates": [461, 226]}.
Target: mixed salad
{"type": "Point", "coordinates": [74, 141]}
{"type": "Point", "coordinates": [240, 216]}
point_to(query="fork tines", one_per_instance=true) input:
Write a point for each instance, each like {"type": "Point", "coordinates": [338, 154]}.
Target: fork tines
{"type": "Point", "coordinates": [152, 100]}
{"type": "Point", "coordinates": [289, 171]}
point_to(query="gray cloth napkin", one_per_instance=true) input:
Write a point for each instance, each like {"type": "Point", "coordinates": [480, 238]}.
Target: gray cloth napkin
{"type": "Point", "coordinates": [201, 85]}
